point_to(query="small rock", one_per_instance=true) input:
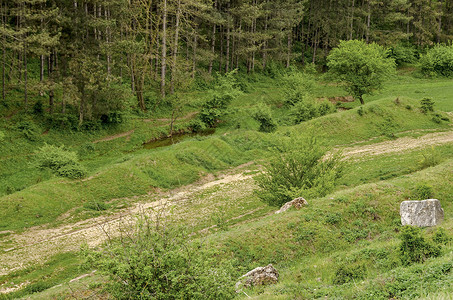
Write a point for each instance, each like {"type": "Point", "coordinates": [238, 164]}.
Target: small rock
{"type": "Point", "coordinates": [296, 203]}
{"type": "Point", "coordinates": [423, 213]}
{"type": "Point", "coordinates": [258, 276]}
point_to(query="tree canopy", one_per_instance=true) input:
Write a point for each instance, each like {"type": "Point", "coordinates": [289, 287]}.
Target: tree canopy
{"type": "Point", "coordinates": [361, 67]}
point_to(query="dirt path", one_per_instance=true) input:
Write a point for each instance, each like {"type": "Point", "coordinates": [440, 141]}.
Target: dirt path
{"type": "Point", "coordinates": [398, 145]}
{"type": "Point", "coordinates": [36, 245]}
{"type": "Point", "coordinates": [114, 137]}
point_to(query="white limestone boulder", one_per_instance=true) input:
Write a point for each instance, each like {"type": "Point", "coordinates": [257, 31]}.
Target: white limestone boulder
{"type": "Point", "coordinates": [425, 213]}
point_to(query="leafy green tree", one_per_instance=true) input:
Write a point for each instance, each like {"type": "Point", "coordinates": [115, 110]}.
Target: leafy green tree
{"type": "Point", "coordinates": [300, 168]}
{"type": "Point", "coordinates": [361, 67]}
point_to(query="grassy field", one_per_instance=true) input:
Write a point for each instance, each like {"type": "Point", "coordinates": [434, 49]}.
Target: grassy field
{"type": "Point", "coordinates": [356, 225]}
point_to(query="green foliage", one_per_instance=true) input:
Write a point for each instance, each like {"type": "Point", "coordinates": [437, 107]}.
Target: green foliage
{"type": "Point", "coordinates": [361, 67]}
{"type": "Point", "coordinates": [62, 162]}
{"type": "Point", "coordinates": [438, 61]}
{"type": "Point", "coordinates": [222, 95]}
{"type": "Point", "coordinates": [29, 130]}
{"type": "Point", "coordinates": [263, 115]}
{"type": "Point", "coordinates": [304, 110]}
{"type": "Point", "coordinates": [414, 248]}
{"type": "Point", "coordinates": [297, 86]}
{"type": "Point", "coordinates": [430, 158]}
{"type": "Point", "coordinates": [403, 54]}
{"type": "Point", "coordinates": [427, 105]}
{"type": "Point", "coordinates": [423, 191]}
{"type": "Point", "coordinates": [441, 237]}
{"type": "Point", "coordinates": [2, 136]}
{"type": "Point", "coordinates": [348, 273]}
{"type": "Point", "coordinates": [158, 262]}
{"type": "Point", "coordinates": [300, 168]}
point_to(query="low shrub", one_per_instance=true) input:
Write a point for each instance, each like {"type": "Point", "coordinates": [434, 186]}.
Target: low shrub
{"type": "Point", "coordinates": [414, 248]}
{"type": "Point", "coordinates": [62, 162]}
{"type": "Point", "coordinates": [438, 61]}
{"type": "Point", "coordinates": [304, 110]}
{"type": "Point", "coordinates": [298, 168]}
{"type": "Point", "coordinates": [427, 105]}
{"type": "Point", "coordinates": [348, 273]}
{"type": "Point", "coordinates": [263, 115]}
{"type": "Point", "coordinates": [157, 261]}
{"type": "Point", "coordinates": [423, 191]}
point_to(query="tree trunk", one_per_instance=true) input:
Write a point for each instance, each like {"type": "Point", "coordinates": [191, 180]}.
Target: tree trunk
{"type": "Point", "coordinates": [211, 61]}
{"type": "Point", "coordinates": [361, 100]}
{"type": "Point", "coordinates": [25, 75]}
{"type": "Point", "coordinates": [288, 55]}
{"type": "Point", "coordinates": [368, 23]}
{"type": "Point", "coordinates": [4, 9]}
{"type": "Point", "coordinates": [227, 56]}
{"type": "Point", "coordinates": [352, 19]}
{"type": "Point", "coordinates": [175, 49]}
{"type": "Point", "coordinates": [164, 49]}
{"type": "Point", "coordinates": [194, 55]}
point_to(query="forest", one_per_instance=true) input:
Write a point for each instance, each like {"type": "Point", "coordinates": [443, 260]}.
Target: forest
{"type": "Point", "coordinates": [86, 59]}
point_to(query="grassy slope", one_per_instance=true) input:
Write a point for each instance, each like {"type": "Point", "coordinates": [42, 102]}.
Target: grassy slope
{"type": "Point", "coordinates": [290, 241]}
{"type": "Point", "coordinates": [183, 163]}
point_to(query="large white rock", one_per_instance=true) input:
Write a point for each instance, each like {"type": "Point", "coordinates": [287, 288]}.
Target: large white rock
{"type": "Point", "coordinates": [423, 213]}
{"type": "Point", "coordinates": [297, 203]}
{"type": "Point", "coordinates": [258, 276]}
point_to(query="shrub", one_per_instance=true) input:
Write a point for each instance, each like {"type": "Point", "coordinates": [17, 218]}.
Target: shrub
{"type": "Point", "coordinates": [423, 191]}
{"type": "Point", "coordinates": [263, 115]}
{"type": "Point", "coordinates": [345, 274]}
{"type": "Point", "coordinates": [222, 95]}
{"type": "Point", "coordinates": [297, 86]}
{"type": "Point", "coordinates": [326, 107]}
{"type": "Point", "coordinates": [62, 162]}
{"type": "Point", "coordinates": [403, 54]}
{"type": "Point", "coordinates": [299, 168]}
{"type": "Point", "coordinates": [157, 261]}
{"type": "Point", "coordinates": [438, 61]}
{"type": "Point", "coordinates": [441, 237]}
{"type": "Point", "coordinates": [430, 158]}
{"type": "Point", "coordinates": [304, 110]}
{"type": "Point", "coordinates": [414, 248]}
{"type": "Point", "coordinates": [29, 130]}
{"type": "Point", "coordinates": [426, 105]}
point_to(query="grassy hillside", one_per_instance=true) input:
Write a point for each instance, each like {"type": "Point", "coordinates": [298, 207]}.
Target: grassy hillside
{"type": "Point", "coordinates": [357, 227]}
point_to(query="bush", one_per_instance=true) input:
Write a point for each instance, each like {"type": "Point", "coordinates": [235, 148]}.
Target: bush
{"type": "Point", "coordinates": [297, 86]}
{"type": "Point", "coordinates": [299, 168]}
{"type": "Point", "coordinates": [426, 105]}
{"type": "Point", "coordinates": [157, 261]}
{"type": "Point", "coordinates": [304, 110]}
{"type": "Point", "coordinates": [414, 248]}
{"type": "Point", "coordinates": [223, 93]}
{"type": "Point", "coordinates": [438, 61]}
{"type": "Point", "coordinates": [29, 130]}
{"type": "Point", "coordinates": [423, 191]}
{"type": "Point", "coordinates": [345, 274]}
{"type": "Point", "coordinates": [264, 116]}
{"type": "Point", "coordinates": [403, 54]}
{"type": "Point", "coordinates": [441, 237]}
{"type": "Point", "coordinates": [60, 161]}
{"type": "Point", "coordinates": [430, 158]}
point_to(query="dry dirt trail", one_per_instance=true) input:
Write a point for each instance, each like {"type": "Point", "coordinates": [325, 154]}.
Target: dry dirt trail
{"type": "Point", "coordinates": [401, 144]}
{"type": "Point", "coordinates": [36, 245]}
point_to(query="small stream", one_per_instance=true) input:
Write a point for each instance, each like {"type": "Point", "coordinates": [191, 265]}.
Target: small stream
{"type": "Point", "coordinates": [176, 138]}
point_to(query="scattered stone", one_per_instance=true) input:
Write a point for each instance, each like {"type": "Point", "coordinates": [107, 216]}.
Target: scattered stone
{"type": "Point", "coordinates": [425, 213]}
{"type": "Point", "coordinates": [258, 276]}
{"type": "Point", "coordinates": [296, 203]}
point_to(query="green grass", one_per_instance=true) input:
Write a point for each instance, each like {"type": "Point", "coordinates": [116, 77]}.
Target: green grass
{"type": "Point", "coordinates": [357, 224]}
